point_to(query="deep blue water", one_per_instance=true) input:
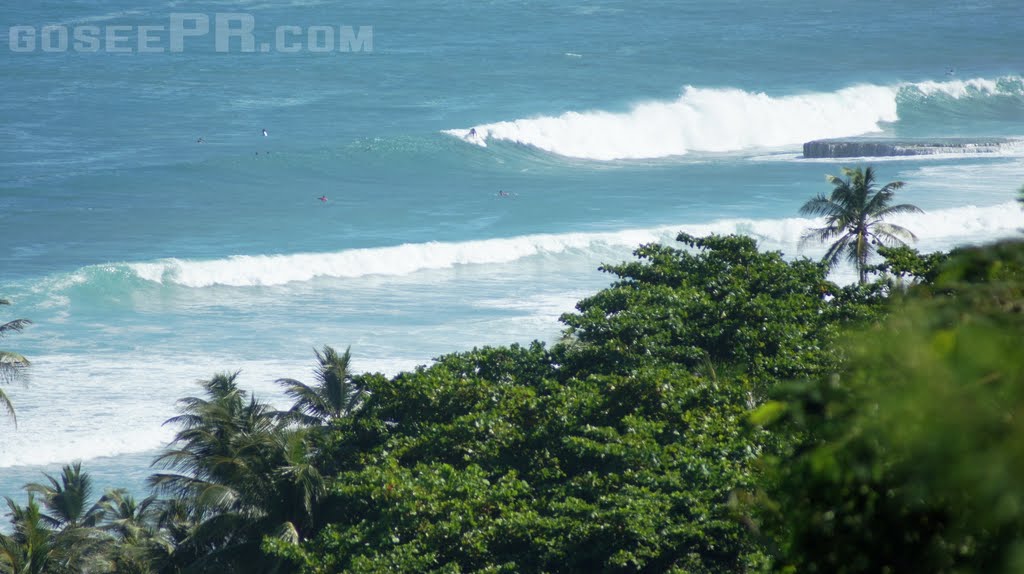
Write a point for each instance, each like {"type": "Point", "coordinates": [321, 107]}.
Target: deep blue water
{"type": "Point", "coordinates": [148, 261]}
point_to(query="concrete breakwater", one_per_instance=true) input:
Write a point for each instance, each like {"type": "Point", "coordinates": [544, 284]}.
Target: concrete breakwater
{"type": "Point", "coordinates": [884, 147]}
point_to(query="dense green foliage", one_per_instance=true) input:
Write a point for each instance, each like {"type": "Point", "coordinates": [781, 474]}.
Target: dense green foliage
{"type": "Point", "coordinates": [716, 409]}
{"type": "Point", "coordinates": [854, 218]}
{"type": "Point", "coordinates": [723, 304]}
{"type": "Point", "coordinates": [487, 460]}
{"type": "Point", "coordinates": [904, 267]}
{"type": "Point", "coordinates": [912, 454]}
{"type": "Point", "coordinates": [619, 449]}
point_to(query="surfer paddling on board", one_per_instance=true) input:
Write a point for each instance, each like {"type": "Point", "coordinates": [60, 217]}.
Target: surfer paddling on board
{"type": "Point", "coordinates": [323, 199]}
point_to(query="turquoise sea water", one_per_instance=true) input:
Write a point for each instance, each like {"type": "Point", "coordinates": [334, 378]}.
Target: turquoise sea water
{"type": "Point", "coordinates": [148, 261]}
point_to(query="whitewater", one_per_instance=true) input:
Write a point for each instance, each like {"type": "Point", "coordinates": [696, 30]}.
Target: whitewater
{"type": "Point", "coordinates": [480, 164]}
{"type": "Point", "coordinates": [730, 120]}
{"type": "Point", "coordinates": [934, 229]}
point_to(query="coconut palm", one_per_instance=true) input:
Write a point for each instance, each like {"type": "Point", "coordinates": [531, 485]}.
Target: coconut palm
{"type": "Point", "coordinates": [55, 538]}
{"type": "Point", "coordinates": [140, 546]}
{"type": "Point", "coordinates": [67, 500]}
{"type": "Point", "coordinates": [239, 473]}
{"type": "Point", "coordinates": [335, 394]}
{"type": "Point", "coordinates": [32, 548]}
{"type": "Point", "coordinates": [72, 517]}
{"type": "Point", "coordinates": [854, 217]}
{"type": "Point", "coordinates": [12, 365]}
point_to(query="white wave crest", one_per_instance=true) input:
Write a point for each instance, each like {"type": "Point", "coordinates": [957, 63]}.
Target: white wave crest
{"type": "Point", "coordinates": [943, 226]}
{"type": "Point", "coordinates": [935, 229]}
{"type": "Point", "coordinates": [958, 89]}
{"type": "Point", "coordinates": [710, 120]}
{"type": "Point", "coordinates": [720, 120]}
{"type": "Point", "coordinates": [265, 270]}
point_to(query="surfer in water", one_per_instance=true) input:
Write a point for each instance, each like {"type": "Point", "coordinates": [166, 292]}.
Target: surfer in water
{"type": "Point", "coordinates": [323, 199]}
{"type": "Point", "coordinates": [472, 132]}
{"type": "Point", "coordinates": [264, 132]}
{"type": "Point", "coordinates": [200, 140]}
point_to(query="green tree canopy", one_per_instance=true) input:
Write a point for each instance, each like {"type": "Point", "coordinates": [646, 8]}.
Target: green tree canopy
{"type": "Point", "coordinates": [913, 453]}
{"type": "Point", "coordinates": [719, 302]}
{"type": "Point", "coordinates": [619, 449]}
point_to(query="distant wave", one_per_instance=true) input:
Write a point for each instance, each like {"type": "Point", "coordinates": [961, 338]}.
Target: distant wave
{"type": "Point", "coordinates": [726, 120]}
{"type": "Point", "coordinates": [267, 270]}
{"type": "Point", "coordinates": [255, 270]}
{"type": "Point", "coordinates": [957, 89]}
{"type": "Point", "coordinates": [137, 428]}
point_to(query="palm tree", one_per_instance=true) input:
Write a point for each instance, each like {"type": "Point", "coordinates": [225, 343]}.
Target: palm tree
{"type": "Point", "coordinates": [71, 517]}
{"type": "Point", "coordinates": [67, 500]}
{"type": "Point", "coordinates": [854, 215]}
{"type": "Point", "coordinates": [238, 474]}
{"type": "Point", "coordinates": [334, 396]}
{"type": "Point", "coordinates": [12, 365]}
{"type": "Point", "coordinates": [141, 546]}
{"type": "Point", "coordinates": [32, 548]}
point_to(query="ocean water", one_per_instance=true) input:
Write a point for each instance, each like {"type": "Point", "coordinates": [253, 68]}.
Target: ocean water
{"type": "Point", "coordinates": [148, 261]}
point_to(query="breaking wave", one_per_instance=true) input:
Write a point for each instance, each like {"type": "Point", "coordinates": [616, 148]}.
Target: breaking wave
{"type": "Point", "coordinates": [729, 119]}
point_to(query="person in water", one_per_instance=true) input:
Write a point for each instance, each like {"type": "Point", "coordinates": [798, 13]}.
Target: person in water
{"type": "Point", "coordinates": [323, 198]}
{"type": "Point", "coordinates": [264, 132]}
{"type": "Point", "coordinates": [472, 132]}
{"type": "Point", "coordinates": [200, 140]}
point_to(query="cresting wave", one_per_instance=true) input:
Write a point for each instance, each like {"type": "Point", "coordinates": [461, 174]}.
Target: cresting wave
{"type": "Point", "coordinates": [266, 270]}
{"type": "Point", "coordinates": [727, 119]}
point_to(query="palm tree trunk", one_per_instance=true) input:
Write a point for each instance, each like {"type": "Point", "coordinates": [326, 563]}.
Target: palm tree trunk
{"type": "Point", "coordinates": [862, 256]}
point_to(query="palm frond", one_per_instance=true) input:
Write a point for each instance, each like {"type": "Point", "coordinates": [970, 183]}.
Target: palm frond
{"type": "Point", "coordinates": [8, 406]}
{"type": "Point", "coordinates": [897, 209]}
{"type": "Point", "coordinates": [835, 251]}
{"type": "Point", "coordinates": [892, 186]}
{"type": "Point", "coordinates": [820, 234]}
{"type": "Point", "coordinates": [14, 326]}
{"type": "Point", "coordinates": [819, 206]}
{"type": "Point", "coordinates": [13, 367]}
{"type": "Point", "coordinates": [892, 234]}
{"type": "Point", "coordinates": [287, 532]}
{"type": "Point", "coordinates": [12, 359]}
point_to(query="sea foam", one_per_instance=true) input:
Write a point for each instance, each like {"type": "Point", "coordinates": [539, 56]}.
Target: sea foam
{"type": "Point", "coordinates": [724, 120]}
{"type": "Point", "coordinates": [264, 270]}
{"type": "Point", "coordinates": [75, 419]}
